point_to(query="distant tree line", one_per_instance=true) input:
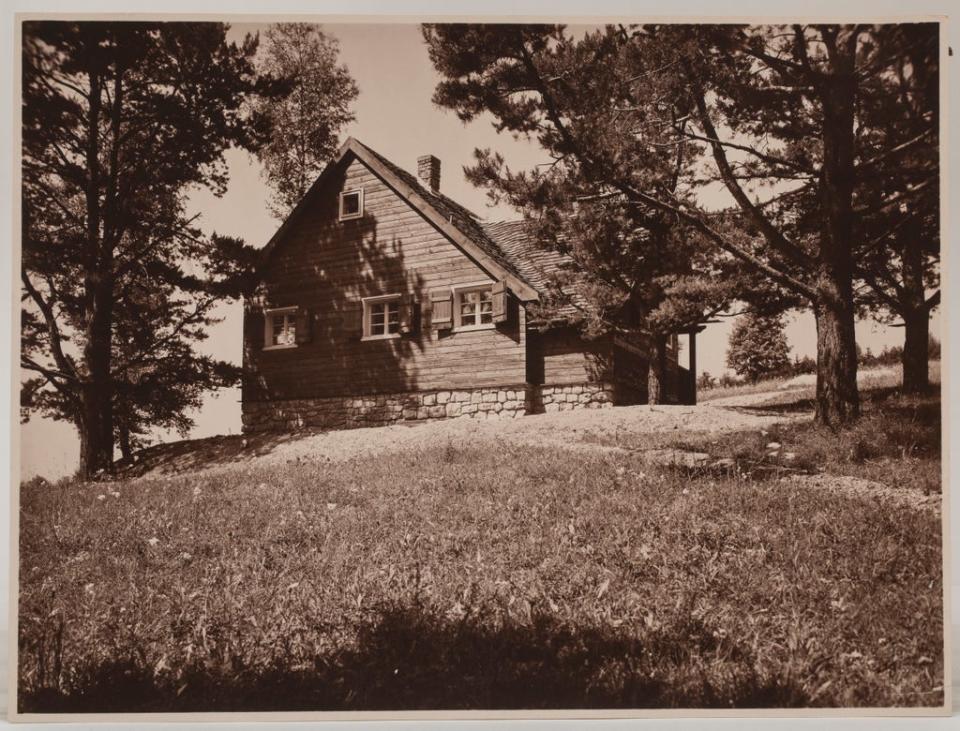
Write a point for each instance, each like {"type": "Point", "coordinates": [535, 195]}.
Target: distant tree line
{"type": "Point", "coordinates": [889, 355]}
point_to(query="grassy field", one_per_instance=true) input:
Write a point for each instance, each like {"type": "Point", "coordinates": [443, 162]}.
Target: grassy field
{"type": "Point", "coordinates": [490, 577]}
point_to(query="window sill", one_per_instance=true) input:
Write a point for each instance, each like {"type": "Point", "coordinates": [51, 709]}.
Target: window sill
{"type": "Point", "coordinates": [353, 217]}
{"type": "Point", "coordinates": [468, 328]}
{"type": "Point", "coordinates": [391, 336]}
{"type": "Point", "coordinates": [280, 347]}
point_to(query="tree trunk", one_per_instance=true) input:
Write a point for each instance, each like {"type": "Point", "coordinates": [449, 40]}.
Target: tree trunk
{"type": "Point", "coordinates": [915, 311]}
{"type": "Point", "coordinates": [96, 397]}
{"type": "Point", "coordinates": [657, 371]}
{"type": "Point", "coordinates": [916, 349]}
{"type": "Point", "coordinates": [838, 401]}
{"type": "Point", "coordinates": [123, 431]}
{"type": "Point", "coordinates": [96, 434]}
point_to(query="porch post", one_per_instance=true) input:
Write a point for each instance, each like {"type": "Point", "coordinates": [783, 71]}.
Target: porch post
{"type": "Point", "coordinates": [693, 367]}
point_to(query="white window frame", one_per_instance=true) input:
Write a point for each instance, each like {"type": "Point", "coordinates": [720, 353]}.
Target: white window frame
{"type": "Point", "coordinates": [351, 216]}
{"type": "Point", "coordinates": [367, 312]}
{"type": "Point", "coordinates": [268, 316]}
{"type": "Point", "coordinates": [461, 289]}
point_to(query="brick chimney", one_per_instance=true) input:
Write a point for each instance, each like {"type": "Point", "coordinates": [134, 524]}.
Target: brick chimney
{"type": "Point", "coordinates": [428, 170]}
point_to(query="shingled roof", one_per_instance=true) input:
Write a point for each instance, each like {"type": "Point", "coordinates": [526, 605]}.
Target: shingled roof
{"type": "Point", "coordinates": [537, 264]}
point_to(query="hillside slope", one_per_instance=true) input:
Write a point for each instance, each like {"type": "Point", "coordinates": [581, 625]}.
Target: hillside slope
{"type": "Point", "coordinates": [570, 429]}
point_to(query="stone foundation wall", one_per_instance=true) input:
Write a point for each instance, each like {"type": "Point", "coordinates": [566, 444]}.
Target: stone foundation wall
{"type": "Point", "coordinates": [546, 399]}
{"type": "Point", "coordinates": [480, 403]}
{"type": "Point", "coordinates": [382, 409]}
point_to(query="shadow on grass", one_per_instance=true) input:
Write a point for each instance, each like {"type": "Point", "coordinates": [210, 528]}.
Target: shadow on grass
{"type": "Point", "coordinates": [412, 659]}
{"type": "Point", "coordinates": [886, 399]}
{"type": "Point", "coordinates": [193, 454]}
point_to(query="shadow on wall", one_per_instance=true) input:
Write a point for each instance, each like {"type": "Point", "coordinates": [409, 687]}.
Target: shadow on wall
{"type": "Point", "coordinates": [328, 266]}
{"type": "Point", "coordinates": [411, 658]}
{"type": "Point", "coordinates": [564, 356]}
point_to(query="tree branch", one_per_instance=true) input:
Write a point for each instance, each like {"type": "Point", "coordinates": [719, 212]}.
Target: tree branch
{"type": "Point", "coordinates": [722, 241]}
{"type": "Point", "coordinates": [771, 159]}
{"type": "Point", "coordinates": [774, 237]}
{"type": "Point", "coordinates": [53, 330]}
{"type": "Point", "coordinates": [731, 248]}
{"type": "Point", "coordinates": [897, 197]}
{"type": "Point", "coordinates": [893, 151]}
{"type": "Point", "coordinates": [892, 302]}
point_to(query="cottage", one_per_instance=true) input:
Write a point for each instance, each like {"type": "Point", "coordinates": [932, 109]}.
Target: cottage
{"type": "Point", "coordinates": [380, 300]}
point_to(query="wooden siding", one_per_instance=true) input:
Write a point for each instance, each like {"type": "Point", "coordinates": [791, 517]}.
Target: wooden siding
{"type": "Point", "coordinates": [562, 356]}
{"type": "Point", "coordinates": [327, 266]}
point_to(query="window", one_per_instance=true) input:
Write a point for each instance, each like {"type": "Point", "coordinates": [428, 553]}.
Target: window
{"type": "Point", "coordinates": [473, 307]}
{"type": "Point", "coordinates": [381, 317]}
{"type": "Point", "coordinates": [281, 328]}
{"type": "Point", "coordinates": [351, 204]}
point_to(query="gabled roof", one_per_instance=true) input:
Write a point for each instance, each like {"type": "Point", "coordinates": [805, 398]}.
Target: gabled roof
{"type": "Point", "coordinates": [456, 222]}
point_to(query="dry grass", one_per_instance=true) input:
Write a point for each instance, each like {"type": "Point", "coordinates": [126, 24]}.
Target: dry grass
{"type": "Point", "coordinates": [742, 389]}
{"type": "Point", "coordinates": [802, 387]}
{"type": "Point", "coordinates": [477, 577]}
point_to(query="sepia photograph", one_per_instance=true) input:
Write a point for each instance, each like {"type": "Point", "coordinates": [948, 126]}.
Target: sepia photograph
{"type": "Point", "coordinates": [459, 367]}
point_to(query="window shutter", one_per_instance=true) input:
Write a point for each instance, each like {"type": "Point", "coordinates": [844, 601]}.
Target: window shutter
{"type": "Point", "coordinates": [253, 327]}
{"type": "Point", "coordinates": [304, 321]}
{"type": "Point", "coordinates": [499, 292]}
{"type": "Point", "coordinates": [442, 309]}
{"type": "Point", "coordinates": [408, 315]}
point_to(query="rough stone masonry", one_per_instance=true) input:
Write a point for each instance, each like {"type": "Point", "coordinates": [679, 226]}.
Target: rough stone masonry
{"type": "Point", "coordinates": [503, 402]}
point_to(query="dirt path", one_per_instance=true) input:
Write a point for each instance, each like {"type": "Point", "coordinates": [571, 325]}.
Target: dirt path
{"type": "Point", "coordinates": [754, 399]}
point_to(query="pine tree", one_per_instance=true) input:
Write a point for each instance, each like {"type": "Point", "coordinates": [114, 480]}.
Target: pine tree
{"type": "Point", "coordinates": [758, 347]}
{"type": "Point", "coordinates": [119, 121]}
{"type": "Point", "coordinates": [898, 254]}
{"type": "Point", "coordinates": [634, 270]}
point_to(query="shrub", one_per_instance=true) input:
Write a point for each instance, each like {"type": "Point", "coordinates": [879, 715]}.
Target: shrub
{"type": "Point", "coordinates": [728, 381]}
{"type": "Point", "coordinates": [893, 355]}
{"type": "Point", "coordinates": [803, 365]}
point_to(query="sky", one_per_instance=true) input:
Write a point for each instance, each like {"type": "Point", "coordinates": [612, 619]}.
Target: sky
{"type": "Point", "coordinates": [395, 117]}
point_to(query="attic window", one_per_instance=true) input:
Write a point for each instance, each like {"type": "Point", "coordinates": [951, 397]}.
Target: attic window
{"type": "Point", "coordinates": [351, 204]}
